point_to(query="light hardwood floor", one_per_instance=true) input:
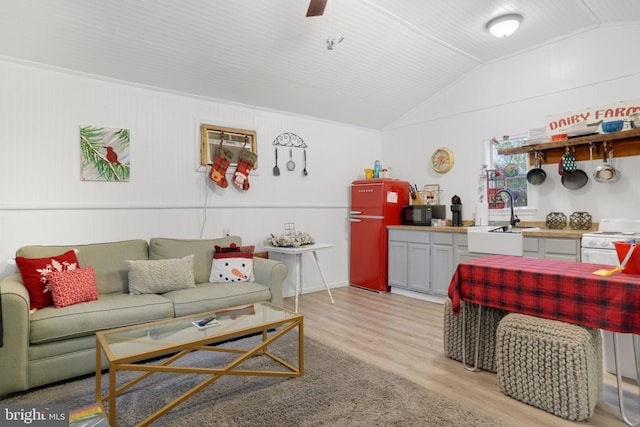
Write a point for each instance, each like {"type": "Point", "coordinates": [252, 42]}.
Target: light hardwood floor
{"type": "Point", "coordinates": [404, 335]}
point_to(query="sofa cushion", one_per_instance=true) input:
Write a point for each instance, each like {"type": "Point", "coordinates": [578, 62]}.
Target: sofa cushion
{"type": "Point", "coordinates": [107, 259]}
{"type": "Point", "coordinates": [213, 296]}
{"type": "Point", "coordinates": [35, 275]}
{"type": "Point", "coordinates": [232, 264]}
{"type": "Point", "coordinates": [110, 311]}
{"type": "Point", "coordinates": [73, 286]}
{"type": "Point", "coordinates": [160, 276]}
{"type": "Point", "coordinates": [162, 248]}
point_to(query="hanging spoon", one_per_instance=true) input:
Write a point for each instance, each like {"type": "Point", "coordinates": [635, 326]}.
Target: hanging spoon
{"type": "Point", "coordinates": [304, 171]}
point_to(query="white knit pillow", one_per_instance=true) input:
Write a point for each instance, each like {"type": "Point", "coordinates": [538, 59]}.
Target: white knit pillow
{"type": "Point", "coordinates": [160, 276]}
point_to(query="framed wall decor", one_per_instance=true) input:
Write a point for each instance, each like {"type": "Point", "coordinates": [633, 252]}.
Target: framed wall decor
{"type": "Point", "coordinates": [212, 136]}
{"type": "Point", "coordinates": [104, 154]}
{"type": "Point", "coordinates": [431, 194]}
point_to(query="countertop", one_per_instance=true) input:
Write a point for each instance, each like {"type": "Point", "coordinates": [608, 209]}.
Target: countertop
{"type": "Point", "coordinates": [541, 231]}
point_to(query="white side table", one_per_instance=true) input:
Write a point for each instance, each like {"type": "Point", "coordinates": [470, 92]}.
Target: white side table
{"type": "Point", "coordinates": [298, 253]}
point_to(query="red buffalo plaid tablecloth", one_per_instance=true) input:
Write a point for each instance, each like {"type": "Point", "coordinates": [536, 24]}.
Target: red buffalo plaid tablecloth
{"type": "Point", "coordinates": [559, 290]}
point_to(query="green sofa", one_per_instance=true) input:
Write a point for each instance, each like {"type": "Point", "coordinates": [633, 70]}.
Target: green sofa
{"type": "Point", "coordinates": [53, 344]}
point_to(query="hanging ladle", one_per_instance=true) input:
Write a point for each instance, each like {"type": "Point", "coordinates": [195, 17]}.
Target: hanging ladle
{"type": "Point", "coordinates": [291, 165]}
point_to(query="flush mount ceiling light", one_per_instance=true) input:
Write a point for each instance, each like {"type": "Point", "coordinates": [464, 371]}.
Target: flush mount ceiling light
{"type": "Point", "coordinates": [505, 25]}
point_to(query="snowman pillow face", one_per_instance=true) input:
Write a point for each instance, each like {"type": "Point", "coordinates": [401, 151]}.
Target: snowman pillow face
{"type": "Point", "coordinates": [232, 264]}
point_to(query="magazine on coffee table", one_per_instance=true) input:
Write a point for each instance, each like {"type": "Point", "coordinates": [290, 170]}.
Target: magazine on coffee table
{"type": "Point", "coordinates": [210, 321]}
{"type": "Point", "coordinates": [205, 323]}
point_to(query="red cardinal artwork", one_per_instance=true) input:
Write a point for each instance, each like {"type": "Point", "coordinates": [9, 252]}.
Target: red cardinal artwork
{"type": "Point", "coordinates": [112, 156]}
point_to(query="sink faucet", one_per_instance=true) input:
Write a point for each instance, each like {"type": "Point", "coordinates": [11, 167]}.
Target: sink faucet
{"type": "Point", "coordinates": [514, 219]}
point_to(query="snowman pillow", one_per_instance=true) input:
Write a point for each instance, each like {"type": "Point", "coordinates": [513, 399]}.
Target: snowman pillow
{"type": "Point", "coordinates": [232, 264]}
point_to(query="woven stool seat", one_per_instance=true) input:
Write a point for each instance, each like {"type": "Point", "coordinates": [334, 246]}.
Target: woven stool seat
{"type": "Point", "coordinates": [552, 365]}
{"type": "Point", "coordinates": [452, 336]}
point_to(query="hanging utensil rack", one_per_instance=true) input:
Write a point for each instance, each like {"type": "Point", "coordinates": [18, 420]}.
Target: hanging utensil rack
{"type": "Point", "coordinates": [289, 139]}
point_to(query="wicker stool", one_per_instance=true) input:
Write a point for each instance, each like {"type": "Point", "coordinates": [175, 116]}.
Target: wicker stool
{"type": "Point", "coordinates": [452, 336]}
{"type": "Point", "coordinates": [554, 366]}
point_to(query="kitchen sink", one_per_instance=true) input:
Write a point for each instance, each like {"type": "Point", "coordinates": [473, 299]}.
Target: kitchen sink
{"type": "Point", "coordinates": [505, 229]}
{"type": "Point", "coordinates": [496, 240]}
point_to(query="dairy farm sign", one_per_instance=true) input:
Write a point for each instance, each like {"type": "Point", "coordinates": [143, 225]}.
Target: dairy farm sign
{"type": "Point", "coordinates": [559, 123]}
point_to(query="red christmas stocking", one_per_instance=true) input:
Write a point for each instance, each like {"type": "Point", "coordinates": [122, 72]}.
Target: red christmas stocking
{"type": "Point", "coordinates": [246, 162]}
{"type": "Point", "coordinates": [220, 165]}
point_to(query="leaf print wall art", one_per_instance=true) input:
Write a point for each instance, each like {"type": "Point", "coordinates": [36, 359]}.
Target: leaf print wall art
{"type": "Point", "coordinates": [104, 154]}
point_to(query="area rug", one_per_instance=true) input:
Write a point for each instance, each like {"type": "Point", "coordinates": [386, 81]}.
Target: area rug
{"type": "Point", "coordinates": [336, 390]}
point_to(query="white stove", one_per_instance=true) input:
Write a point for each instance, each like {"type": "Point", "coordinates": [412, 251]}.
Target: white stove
{"type": "Point", "coordinates": [598, 248]}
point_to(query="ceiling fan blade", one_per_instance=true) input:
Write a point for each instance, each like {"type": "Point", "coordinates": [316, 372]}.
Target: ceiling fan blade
{"type": "Point", "coordinates": [316, 7]}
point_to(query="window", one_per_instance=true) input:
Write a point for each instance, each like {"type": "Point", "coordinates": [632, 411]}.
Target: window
{"type": "Point", "coordinates": [509, 172]}
{"type": "Point", "coordinates": [234, 139]}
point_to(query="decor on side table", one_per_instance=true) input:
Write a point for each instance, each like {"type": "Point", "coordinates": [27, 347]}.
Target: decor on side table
{"type": "Point", "coordinates": [290, 238]}
{"type": "Point", "coordinates": [293, 240]}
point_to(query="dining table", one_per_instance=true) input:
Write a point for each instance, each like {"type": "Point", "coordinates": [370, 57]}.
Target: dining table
{"type": "Point", "coordinates": [553, 289]}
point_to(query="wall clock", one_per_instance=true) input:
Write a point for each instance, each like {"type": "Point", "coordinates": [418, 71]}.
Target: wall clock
{"type": "Point", "coordinates": [442, 160]}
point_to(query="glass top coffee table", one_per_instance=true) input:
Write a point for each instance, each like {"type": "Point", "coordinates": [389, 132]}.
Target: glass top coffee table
{"type": "Point", "coordinates": [125, 348]}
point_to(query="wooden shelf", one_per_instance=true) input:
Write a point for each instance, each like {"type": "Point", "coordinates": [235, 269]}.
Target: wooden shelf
{"type": "Point", "coordinates": [625, 143]}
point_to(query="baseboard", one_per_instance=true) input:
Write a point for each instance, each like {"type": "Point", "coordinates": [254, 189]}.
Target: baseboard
{"type": "Point", "coordinates": [418, 295]}
{"type": "Point", "coordinates": [311, 289]}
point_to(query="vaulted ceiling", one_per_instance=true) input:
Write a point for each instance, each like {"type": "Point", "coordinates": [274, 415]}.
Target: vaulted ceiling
{"type": "Point", "coordinates": [265, 53]}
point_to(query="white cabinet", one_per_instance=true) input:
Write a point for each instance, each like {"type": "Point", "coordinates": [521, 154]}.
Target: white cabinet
{"type": "Point", "coordinates": [441, 263]}
{"type": "Point", "coordinates": [531, 247]}
{"type": "Point", "coordinates": [418, 267]}
{"type": "Point", "coordinates": [424, 261]}
{"type": "Point", "coordinates": [564, 249]}
{"type": "Point", "coordinates": [420, 261]}
{"type": "Point", "coordinates": [397, 262]}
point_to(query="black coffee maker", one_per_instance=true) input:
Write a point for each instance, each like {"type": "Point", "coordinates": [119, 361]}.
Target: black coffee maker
{"type": "Point", "coordinates": [456, 209]}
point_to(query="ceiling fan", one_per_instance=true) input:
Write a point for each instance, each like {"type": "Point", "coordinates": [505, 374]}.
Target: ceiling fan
{"type": "Point", "coordinates": [316, 7]}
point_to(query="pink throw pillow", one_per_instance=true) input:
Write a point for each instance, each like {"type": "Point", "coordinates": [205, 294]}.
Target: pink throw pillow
{"type": "Point", "coordinates": [73, 286]}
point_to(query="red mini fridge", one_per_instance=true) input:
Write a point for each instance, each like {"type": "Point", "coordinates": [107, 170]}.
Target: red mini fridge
{"type": "Point", "coordinates": [375, 203]}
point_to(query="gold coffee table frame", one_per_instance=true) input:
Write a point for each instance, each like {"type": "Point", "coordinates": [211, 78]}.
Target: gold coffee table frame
{"type": "Point", "coordinates": [125, 348]}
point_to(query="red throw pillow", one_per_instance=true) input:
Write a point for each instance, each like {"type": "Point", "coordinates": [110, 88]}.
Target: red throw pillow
{"type": "Point", "coordinates": [73, 286]}
{"type": "Point", "coordinates": [35, 272]}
